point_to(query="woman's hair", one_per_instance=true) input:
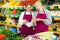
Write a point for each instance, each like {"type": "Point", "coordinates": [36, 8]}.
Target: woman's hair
{"type": "Point", "coordinates": [27, 5]}
{"type": "Point", "coordinates": [39, 3]}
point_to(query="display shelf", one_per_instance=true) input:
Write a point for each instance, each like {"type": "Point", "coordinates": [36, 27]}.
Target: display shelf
{"type": "Point", "coordinates": [55, 28]}
{"type": "Point", "coordinates": [55, 32]}
{"type": "Point", "coordinates": [1, 14]}
{"type": "Point", "coordinates": [13, 25]}
{"type": "Point", "coordinates": [53, 7]}
{"type": "Point", "coordinates": [57, 18]}
{"type": "Point", "coordinates": [14, 16]}
{"type": "Point", "coordinates": [10, 24]}
{"type": "Point", "coordinates": [2, 23]}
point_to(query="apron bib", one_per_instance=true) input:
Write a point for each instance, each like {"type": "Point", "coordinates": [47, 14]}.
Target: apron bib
{"type": "Point", "coordinates": [27, 30]}
{"type": "Point", "coordinates": [40, 25]}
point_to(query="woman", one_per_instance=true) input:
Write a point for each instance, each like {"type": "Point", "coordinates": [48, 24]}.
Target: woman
{"type": "Point", "coordinates": [25, 21]}
{"type": "Point", "coordinates": [43, 18]}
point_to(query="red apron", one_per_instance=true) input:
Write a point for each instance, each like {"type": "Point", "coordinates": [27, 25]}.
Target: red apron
{"type": "Point", "coordinates": [40, 25]}
{"type": "Point", "coordinates": [27, 30]}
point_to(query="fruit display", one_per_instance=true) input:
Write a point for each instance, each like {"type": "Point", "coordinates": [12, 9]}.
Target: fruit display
{"type": "Point", "coordinates": [34, 37]}
{"type": "Point", "coordinates": [9, 11]}
{"type": "Point", "coordinates": [14, 11]}
{"type": "Point", "coordinates": [9, 35]}
{"type": "Point", "coordinates": [56, 25]}
{"type": "Point", "coordinates": [2, 36]}
{"type": "Point", "coordinates": [24, 2]}
{"type": "Point", "coordinates": [41, 36]}
{"type": "Point", "coordinates": [55, 28]}
{"type": "Point", "coordinates": [12, 3]}
{"type": "Point", "coordinates": [46, 35]}
{"type": "Point", "coordinates": [20, 2]}
{"type": "Point", "coordinates": [18, 11]}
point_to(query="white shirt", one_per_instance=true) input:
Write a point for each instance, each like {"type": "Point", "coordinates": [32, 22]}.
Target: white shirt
{"type": "Point", "coordinates": [28, 24]}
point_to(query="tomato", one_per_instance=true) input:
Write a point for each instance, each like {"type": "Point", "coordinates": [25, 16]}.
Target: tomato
{"type": "Point", "coordinates": [22, 3]}
{"type": "Point", "coordinates": [14, 11]}
{"type": "Point", "coordinates": [31, 2]}
{"type": "Point", "coordinates": [2, 36]}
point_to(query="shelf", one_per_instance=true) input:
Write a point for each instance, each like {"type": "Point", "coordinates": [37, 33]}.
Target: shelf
{"type": "Point", "coordinates": [12, 16]}
{"type": "Point", "coordinates": [2, 23]}
{"type": "Point", "coordinates": [13, 25]}
{"type": "Point", "coordinates": [10, 24]}
{"type": "Point", "coordinates": [56, 32]}
{"type": "Point", "coordinates": [1, 14]}
{"type": "Point", "coordinates": [56, 18]}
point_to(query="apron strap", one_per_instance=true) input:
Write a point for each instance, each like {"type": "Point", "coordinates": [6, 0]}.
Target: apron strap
{"type": "Point", "coordinates": [38, 11]}
{"type": "Point", "coordinates": [43, 11]}
{"type": "Point", "coordinates": [25, 12]}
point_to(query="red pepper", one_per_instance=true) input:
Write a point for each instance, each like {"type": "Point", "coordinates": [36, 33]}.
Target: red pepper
{"type": "Point", "coordinates": [2, 36]}
{"type": "Point", "coordinates": [23, 3]}
{"type": "Point", "coordinates": [14, 11]}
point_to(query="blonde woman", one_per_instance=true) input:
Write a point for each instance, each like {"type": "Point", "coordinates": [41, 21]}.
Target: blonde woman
{"type": "Point", "coordinates": [43, 18]}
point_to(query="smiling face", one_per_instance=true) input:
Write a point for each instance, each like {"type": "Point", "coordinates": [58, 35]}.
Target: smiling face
{"type": "Point", "coordinates": [38, 5]}
{"type": "Point", "coordinates": [28, 7]}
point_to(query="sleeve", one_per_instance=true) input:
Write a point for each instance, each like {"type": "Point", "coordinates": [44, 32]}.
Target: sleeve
{"type": "Point", "coordinates": [21, 18]}
{"type": "Point", "coordinates": [29, 24]}
{"type": "Point", "coordinates": [48, 21]}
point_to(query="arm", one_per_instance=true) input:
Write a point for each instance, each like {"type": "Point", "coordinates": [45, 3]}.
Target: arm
{"type": "Point", "coordinates": [21, 19]}
{"type": "Point", "coordinates": [49, 19]}
{"type": "Point", "coordinates": [29, 24]}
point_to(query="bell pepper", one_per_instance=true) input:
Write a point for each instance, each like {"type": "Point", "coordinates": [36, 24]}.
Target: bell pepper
{"type": "Point", "coordinates": [2, 36]}
{"type": "Point", "coordinates": [14, 11]}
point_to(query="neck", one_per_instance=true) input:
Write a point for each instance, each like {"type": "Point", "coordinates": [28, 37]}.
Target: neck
{"type": "Point", "coordinates": [28, 11]}
{"type": "Point", "coordinates": [40, 9]}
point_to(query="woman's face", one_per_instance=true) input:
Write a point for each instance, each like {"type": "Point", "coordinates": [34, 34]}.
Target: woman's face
{"type": "Point", "coordinates": [28, 8]}
{"type": "Point", "coordinates": [37, 6]}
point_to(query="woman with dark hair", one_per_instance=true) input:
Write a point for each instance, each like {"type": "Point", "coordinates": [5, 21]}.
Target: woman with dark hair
{"type": "Point", "coordinates": [25, 21]}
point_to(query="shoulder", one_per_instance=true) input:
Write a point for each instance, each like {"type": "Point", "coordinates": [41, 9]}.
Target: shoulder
{"type": "Point", "coordinates": [23, 12]}
{"type": "Point", "coordinates": [48, 13]}
{"type": "Point", "coordinates": [32, 12]}
{"type": "Point", "coordinates": [46, 10]}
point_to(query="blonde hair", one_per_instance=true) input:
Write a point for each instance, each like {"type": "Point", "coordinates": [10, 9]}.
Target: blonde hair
{"type": "Point", "coordinates": [39, 3]}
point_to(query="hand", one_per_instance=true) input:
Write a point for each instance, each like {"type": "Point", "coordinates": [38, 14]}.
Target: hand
{"type": "Point", "coordinates": [38, 19]}
{"type": "Point", "coordinates": [24, 22]}
{"type": "Point", "coordinates": [34, 20]}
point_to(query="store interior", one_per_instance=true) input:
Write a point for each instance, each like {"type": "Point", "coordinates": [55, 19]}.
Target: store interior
{"type": "Point", "coordinates": [10, 11]}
